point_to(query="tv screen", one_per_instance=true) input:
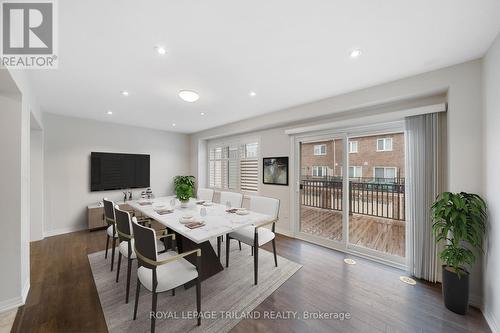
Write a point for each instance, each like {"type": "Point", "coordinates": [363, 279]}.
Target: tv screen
{"type": "Point", "coordinates": [110, 171]}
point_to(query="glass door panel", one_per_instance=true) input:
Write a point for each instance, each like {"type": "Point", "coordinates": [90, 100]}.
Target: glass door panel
{"type": "Point", "coordinates": [321, 188]}
{"type": "Point", "coordinates": [377, 194]}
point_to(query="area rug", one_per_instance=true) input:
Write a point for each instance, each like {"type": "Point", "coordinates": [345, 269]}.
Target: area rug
{"type": "Point", "coordinates": [226, 297]}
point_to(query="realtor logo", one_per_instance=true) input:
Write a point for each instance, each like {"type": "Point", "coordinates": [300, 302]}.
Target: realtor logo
{"type": "Point", "coordinates": [28, 34]}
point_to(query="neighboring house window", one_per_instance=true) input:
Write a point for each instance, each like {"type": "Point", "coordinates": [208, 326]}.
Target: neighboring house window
{"type": "Point", "coordinates": [384, 144]}
{"type": "Point", "coordinates": [319, 150]}
{"type": "Point", "coordinates": [355, 171]}
{"type": "Point", "coordinates": [234, 166]}
{"type": "Point", "coordinates": [385, 172]}
{"type": "Point", "coordinates": [353, 146]}
{"type": "Point", "coordinates": [319, 171]}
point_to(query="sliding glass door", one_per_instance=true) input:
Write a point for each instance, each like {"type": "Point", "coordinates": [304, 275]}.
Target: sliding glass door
{"type": "Point", "coordinates": [377, 195]}
{"type": "Point", "coordinates": [321, 188]}
{"type": "Point", "coordinates": [351, 192]}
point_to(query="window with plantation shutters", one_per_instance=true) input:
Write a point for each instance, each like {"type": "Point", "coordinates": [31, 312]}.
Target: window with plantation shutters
{"type": "Point", "coordinates": [249, 167]}
{"type": "Point", "coordinates": [234, 166]}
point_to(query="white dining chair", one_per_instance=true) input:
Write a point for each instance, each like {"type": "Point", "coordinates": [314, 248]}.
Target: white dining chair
{"type": "Point", "coordinates": [236, 201]}
{"type": "Point", "coordinates": [109, 218]}
{"type": "Point", "coordinates": [256, 236]}
{"type": "Point", "coordinates": [206, 194]}
{"type": "Point", "coordinates": [234, 198]}
{"type": "Point", "coordinates": [159, 273]}
{"type": "Point", "coordinates": [126, 243]}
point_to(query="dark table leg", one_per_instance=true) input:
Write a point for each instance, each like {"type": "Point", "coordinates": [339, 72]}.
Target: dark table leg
{"type": "Point", "coordinates": [210, 263]}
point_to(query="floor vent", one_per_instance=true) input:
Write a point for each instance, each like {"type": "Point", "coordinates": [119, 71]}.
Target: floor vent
{"type": "Point", "coordinates": [350, 261]}
{"type": "Point", "coordinates": [408, 280]}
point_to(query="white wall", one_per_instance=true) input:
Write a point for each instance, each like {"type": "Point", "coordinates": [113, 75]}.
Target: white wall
{"type": "Point", "coordinates": [491, 89]}
{"type": "Point", "coordinates": [68, 144]}
{"type": "Point", "coordinates": [10, 203]}
{"type": "Point", "coordinates": [19, 127]}
{"type": "Point", "coordinates": [36, 181]}
{"type": "Point", "coordinates": [463, 86]}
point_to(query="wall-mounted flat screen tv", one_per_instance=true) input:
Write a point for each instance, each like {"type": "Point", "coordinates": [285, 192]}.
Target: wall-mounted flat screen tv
{"type": "Point", "coordinates": [111, 171]}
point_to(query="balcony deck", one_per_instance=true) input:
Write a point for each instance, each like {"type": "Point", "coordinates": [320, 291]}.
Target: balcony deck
{"type": "Point", "coordinates": [381, 234]}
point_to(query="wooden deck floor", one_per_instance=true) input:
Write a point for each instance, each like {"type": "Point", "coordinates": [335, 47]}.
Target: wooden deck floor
{"type": "Point", "coordinates": [375, 233]}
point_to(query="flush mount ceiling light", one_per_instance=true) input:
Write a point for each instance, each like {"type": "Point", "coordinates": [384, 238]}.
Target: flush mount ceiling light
{"type": "Point", "coordinates": [189, 96]}
{"type": "Point", "coordinates": [160, 50]}
{"type": "Point", "coordinates": [174, 124]}
{"type": "Point", "coordinates": [355, 53]}
{"type": "Point", "coordinates": [109, 112]}
{"type": "Point", "coordinates": [252, 93]}
{"type": "Point", "coordinates": [124, 93]}
{"type": "Point", "coordinates": [202, 113]}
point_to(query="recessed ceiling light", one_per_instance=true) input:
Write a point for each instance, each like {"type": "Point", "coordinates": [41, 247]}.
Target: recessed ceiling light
{"type": "Point", "coordinates": [189, 96]}
{"type": "Point", "coordinates": [355, 53]}
{"type": "Point", "coordinates": [109, 112]}
{"type": "Point", "coordinates": [124, 93]}
{"type": "Point", "coordinates": [252, 93]}
{"type": "Point", "coordinates": [174, 124]}
{"type": "Point", "coordinates": [160, 50]}
{"type": "Point", "coordinates": [202, 113]}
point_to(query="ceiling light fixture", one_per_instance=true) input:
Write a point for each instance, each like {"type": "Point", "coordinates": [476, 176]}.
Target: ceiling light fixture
{"type": "Point", "coordinates": [124, 93]}
{"type": "Point", "coordinates": [174, 124]}
{"type": "Point", "coordinates": [109, 112]}
{"type": "Point", "coordinates": [202, 113]}
{"type": "Point", "coordinates": [355, 53]}
{"type": "Point", "coordinates": [160, 50]}
{"type": "Point", "coordinates": [189, 96]}
{"type": "Point", "coordinates": [252, 93]}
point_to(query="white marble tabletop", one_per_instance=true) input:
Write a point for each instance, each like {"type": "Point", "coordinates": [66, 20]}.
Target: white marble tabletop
{"type": "Point", "coordinates": [217, 221]}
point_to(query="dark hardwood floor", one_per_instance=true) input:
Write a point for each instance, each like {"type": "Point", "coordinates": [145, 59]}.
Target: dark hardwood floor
{"type": "Point", "coordinates": [63, 297]}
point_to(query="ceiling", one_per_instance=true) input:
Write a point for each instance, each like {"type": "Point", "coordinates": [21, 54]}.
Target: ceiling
{"type": "Point", "coordinates": [288, 52]}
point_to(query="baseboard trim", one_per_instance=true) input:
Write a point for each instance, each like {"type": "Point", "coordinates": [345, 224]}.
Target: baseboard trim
{"type": "Point", "coordinates": [10, 304]}
{"type": "Point", "coordinates": [25, 291]}
{"type": "Point", "coordinates": [492, 321]}
{"type": "Point", "coordinates": [55, 232]}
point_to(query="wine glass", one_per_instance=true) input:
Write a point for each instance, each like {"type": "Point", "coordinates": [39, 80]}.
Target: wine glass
{"type": "Point", "coordinates": [228, 205]}
{"type": "Point", "coordinates": [203, 212]}
{"type": "Point", "coordinates": [172, 203]}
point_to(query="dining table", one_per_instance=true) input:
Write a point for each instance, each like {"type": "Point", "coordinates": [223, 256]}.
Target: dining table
{"type": "Point", "coordinates": [216, 220]}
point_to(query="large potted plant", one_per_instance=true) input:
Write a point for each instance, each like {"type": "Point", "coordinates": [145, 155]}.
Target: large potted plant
{"type": "Point", "coordinates": [459, 221]}
{"type": "Point", "coordinates": [184, 188]}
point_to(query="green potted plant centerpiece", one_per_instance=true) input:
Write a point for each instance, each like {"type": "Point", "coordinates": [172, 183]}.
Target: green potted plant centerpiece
{"type": "Point", "coordinates": [184, 188]}
{"type": "Point", "coordinates": [459, 221]}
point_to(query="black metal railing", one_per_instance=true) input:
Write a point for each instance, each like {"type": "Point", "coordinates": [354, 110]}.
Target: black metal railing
{"type": "Point", "coordinates": [380, 197]}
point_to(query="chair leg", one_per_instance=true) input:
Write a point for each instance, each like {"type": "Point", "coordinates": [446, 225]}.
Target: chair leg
{"type": "Point", "coordinates": [137, 290]}
{"type": "Point", "coordinates": [173, 292]}
{"type": "Point", "coordinates": [274, 251]}
{"type": "Point", "coordinates": [119, 264]}
{"type": "Point", "coordinates": [256, 263]}
{"type": "Point", "coordinates": [107, 245]}
{"type": "Point", "coordinates": [129, 270]}
{"type": "Point", "coordinates": [153, 319]}
{"type": "Point", "coordinates": [227, 250]}
{"type": "Point", "coordinates": [113, 253]}
{"type": "Point", "coordinates": [239, 244]}
{"type": "Point", "coordinates": [252, 250]}
{"type": "Point", "coordinates": [198, 299]}
{"type": "Point", "coordinates": [218, 246]}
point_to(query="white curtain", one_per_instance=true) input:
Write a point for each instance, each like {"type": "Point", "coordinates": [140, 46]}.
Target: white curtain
{"type": "Point", "coordinates": [425, 158]}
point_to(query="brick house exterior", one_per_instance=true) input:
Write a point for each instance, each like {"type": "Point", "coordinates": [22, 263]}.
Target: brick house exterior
{"type": "Point", "coordinates": [377, 156]}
